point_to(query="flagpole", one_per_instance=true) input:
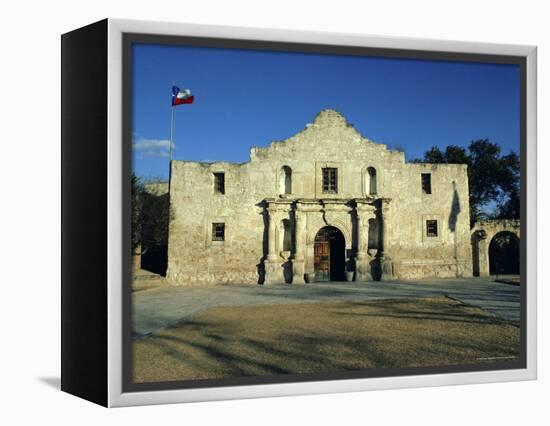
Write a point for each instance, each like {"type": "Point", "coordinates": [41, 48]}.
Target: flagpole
{"type": "Point", "coordinates": [171, 144]}
{"type": "Point", "coordinates": [171, 131]}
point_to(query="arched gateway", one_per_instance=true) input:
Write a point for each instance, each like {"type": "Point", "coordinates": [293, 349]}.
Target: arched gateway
{"type": "Point", "coordinates": [495, 247]}
{"type": "Point", "coordinates": [329, 254]}
{"type": "Point", "coordinates": [504, 254]}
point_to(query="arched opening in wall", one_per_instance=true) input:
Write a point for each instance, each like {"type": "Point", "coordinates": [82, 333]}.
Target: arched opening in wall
{"type": "Point", "coordinates": [287, 235]}
{"type": "Point", "coordinates": [373, 236]}
{"type": "Point", "coordinates": [329, 254]}
{"type": "Point", "coordinates": [371, 181]}
{"type": "Point", "coordinates": [504, 254]}
{"type": "Point", "coordinates": [286, 180]}
{"type": "Point", "coordinates": [287, 249]}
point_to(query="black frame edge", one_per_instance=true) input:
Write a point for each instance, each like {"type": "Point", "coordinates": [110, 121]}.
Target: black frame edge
{"type": "Point", "coordinates": [84, 212]}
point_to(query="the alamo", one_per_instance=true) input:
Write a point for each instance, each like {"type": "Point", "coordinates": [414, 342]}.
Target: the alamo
{"type": "Point", "coordinates": [325, 204]}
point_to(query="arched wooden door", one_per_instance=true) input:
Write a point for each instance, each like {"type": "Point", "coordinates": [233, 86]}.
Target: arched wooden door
{"type": "Point", "coordinates": [329, 254]}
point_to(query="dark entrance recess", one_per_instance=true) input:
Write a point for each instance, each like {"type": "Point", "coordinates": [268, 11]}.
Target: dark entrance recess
{"type": "Point", "coordinates": [329, 254]}
{"type": "Point", "coordinates": [504, 254]}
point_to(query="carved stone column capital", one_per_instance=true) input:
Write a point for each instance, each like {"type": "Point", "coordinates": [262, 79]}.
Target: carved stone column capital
{"type": "Point", "coordinates": [365, 212]}
{"type": "Point", "coordinates": [384, 204]}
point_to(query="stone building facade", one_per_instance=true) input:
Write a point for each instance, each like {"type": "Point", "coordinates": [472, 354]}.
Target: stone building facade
{"type": "Point", "coordinates": [324, 204]}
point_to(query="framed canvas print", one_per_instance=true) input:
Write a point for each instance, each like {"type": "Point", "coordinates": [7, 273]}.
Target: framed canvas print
{"type": "Point", "coordinates": [252, 212]}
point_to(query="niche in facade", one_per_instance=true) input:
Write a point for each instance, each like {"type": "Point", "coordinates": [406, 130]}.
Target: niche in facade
{"type": "Point", "coordinates": [286, 180]}
{"type": "Point", "coordinates": [371, 181]}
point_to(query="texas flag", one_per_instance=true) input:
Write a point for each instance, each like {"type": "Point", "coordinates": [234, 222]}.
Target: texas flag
{"type": "Point", "coordinates": [181, 96]}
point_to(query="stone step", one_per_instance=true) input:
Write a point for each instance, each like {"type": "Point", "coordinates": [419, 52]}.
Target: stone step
{"type": "Point", "coordinates": [142, 275]}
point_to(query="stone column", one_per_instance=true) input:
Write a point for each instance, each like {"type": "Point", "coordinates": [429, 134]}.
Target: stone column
{"type": "Point", "coordinates": [272, 265]}
{"type": "Point", "coordinates": [364, 212]}
{"type": "Point", "coordinates": [386, 265]}
{"type": "Point", "coordinates": [298, 264]}
{"type": "Point", "coordinates": [482, 254]}
{"type": "Point", "coordinates": [271, 250]}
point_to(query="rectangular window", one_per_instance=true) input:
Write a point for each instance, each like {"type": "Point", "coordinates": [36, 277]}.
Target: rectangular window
{"type": "Point", "coordinates": [218, 232]}
{"type": "Point", "coordinates": [431, 228]}
{"type": "Point", "coordinates": [330, 179]}
{"type": "Point", "coordinates": [426, 183]}
{"type": "Point", "coordinates": [219, 183]}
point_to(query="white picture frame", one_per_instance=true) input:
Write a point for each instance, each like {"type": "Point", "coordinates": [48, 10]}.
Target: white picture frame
{"type": "Point", "coordinates": [116, 395]}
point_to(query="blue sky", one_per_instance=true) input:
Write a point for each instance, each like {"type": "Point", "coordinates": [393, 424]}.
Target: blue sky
{"type": "Point", "coordinates": [247, 98]}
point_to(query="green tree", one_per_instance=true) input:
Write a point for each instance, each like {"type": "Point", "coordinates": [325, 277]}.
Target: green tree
{"type": "Point", "coordinates": [154, 217]}
{"type": "Point", "coordinates": [150, 218]}
{"type": "Point", "coordinates": [493, 179]}
{"type": "Point", "coordinates": [510, 206]}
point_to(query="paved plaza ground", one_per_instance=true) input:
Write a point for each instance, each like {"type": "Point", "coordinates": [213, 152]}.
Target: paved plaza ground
{"type": "Point", "coordinates": [157, 308]}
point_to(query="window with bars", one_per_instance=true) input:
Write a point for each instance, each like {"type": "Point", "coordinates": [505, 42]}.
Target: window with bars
{"type": "Point", "coordinates": [431, 228]}
{"type": "Point", "coordinates": [218, 232]}
{"type": "Point", "coordinates": [330, 179]}
{"type": "Point", "coordinates": [219, 183]}
{"type": "Point", "coordinates": [426, 183]}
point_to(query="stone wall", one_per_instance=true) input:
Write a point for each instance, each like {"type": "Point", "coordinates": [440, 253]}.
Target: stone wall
{"type": "Point", "coordinates": [193, 258]}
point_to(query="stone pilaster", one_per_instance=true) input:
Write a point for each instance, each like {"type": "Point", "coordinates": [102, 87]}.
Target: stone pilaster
{"type": "Point", "coordinates": [272, 265]}
{"type": "Point", "coordinates": [298, 261]}
{"type": "Point", "coordinates": [364, 212]}
{"type": "Point", "coordinates": [483, 254]}
{"type": "Point", "coordinates": [386, 264]}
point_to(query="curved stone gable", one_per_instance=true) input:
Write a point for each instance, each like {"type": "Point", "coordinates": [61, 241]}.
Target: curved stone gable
{"type": "Point", "coordinates": [328, 136]}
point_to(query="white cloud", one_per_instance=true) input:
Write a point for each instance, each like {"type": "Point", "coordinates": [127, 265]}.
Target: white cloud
{"type": "Point", "coordinates": [146, 148]}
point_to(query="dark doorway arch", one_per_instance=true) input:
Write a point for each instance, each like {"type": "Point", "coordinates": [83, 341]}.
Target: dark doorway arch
{"type": "Point", "coordinates": [504, 254]}
{"type": "Point", "coordinates": [329, 254]}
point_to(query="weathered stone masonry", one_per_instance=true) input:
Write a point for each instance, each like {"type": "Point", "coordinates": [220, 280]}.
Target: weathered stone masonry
{"type": "Point", "coordinates": [260, 223]}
